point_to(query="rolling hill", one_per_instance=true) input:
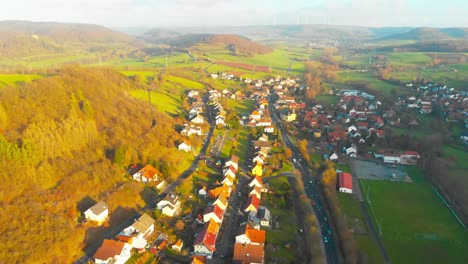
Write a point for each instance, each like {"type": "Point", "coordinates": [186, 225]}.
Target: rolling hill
{"type": "Point", "coordinates": [231, 42]}
{"type": "Point", "coordinates": [25, 38]}
{"type": "Point", "coordinates": [431, 34]}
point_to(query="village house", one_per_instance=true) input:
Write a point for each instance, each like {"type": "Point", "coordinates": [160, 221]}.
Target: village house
{"type": "Point", "coordinates": [230, 171]}
{"type": "Point", "coordinates": [197, 119]}
{"type": "Point", "coordinates": [256, 191]}
{"type": "Point", "coordinates": [221, 190]}
{"type": "Point", "coordinates": [191, 130]}
{"type": "Point", "coordinates": [258, 182]}
{"type": "Point", "coordinates": [170, 205]}
{"type": "Point", "coordinates": [269, 129]}
{"type": "Point", "coordinates": [252, 204]}
{"type": "Point", "coordinates": [146, 174]}
{"type": "Point", "coordinates": [185, 146]}
{"type": "Point", "coordinates": [177, 247]}
{"type": "Point", "coordinates": [248, 253]}
{"type": "Point", "coordinates": [233, 161]}
{"type": "Point", "coordinates": [391, 158]}
{"type": "Point", "coordinates": [138, 233]}
{"type": "Point", "coordinates": [228, 180]}
{"type": "Point", "coordinates": [205, 244]}
{"type": "Point", "coordinates": [261, 218]}
{"type": "Point", "coordinates": [202, 192]}
{"type": "Point", "coordinates": [252, 236]}
{"type": "Point", "coordinates": [112, 252]}
{"type": "Point", "coordinates": [257, 169]}
{"type": "Point", "coordinates": [345, 182]}
{"type": "Point", "coordinates": [213, 212]}
{"type": "Point", "coordinates": [221, 202]}
{"type": "Point", "coordinates": [97, 213]}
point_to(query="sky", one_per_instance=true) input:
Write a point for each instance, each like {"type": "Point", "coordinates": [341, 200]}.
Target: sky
{"type": "Point", "coordinates": [204, 13]}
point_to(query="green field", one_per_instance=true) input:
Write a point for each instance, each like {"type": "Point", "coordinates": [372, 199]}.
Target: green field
{"type": "Point", "coordinates": [186, 83]}
{"type": "Point", "coordinates": [408, 58]}
{"type": "Point", "coordinates": [416, 225]}
{"type": "Point", "coordinates": [366, 77]}
{"type": "Point", "coordinates": [355, 218]}
{"type": "Point", "coordinates": [457, 155]}
{"type": "Point", "coordinates": [279, 60]}
{"type": "Point", "coordinates": [12, 79]}
{"type": "Point", "coordinates": [327, 99]}
{"type": "Point", "coordinates": [240, 107]}
{"type": "Point", "coordinates": [164, 101]}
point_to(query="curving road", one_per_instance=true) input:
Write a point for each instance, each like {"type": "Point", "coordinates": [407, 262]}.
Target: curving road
{"type": "Point", "coordinates": [311, 190]}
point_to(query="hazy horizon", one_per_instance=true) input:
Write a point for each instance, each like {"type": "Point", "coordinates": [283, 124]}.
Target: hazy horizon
{"type": "Point", "coordinates": [212, 13]}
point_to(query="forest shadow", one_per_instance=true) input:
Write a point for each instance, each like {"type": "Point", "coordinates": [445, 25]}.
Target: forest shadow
{"type": "Point", "coordinates": [85, 203]}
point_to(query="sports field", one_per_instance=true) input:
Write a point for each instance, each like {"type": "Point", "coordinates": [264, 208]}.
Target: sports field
{"type": "Point", "coordinates": [416, 226]}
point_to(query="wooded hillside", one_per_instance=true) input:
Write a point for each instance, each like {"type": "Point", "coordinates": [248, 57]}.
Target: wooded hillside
{"type": "Point", "coordinates": [24, 38]}
{"type": "Point", "coordinates": [67, 137]}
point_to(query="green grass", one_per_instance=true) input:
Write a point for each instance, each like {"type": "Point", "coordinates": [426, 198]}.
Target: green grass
{"type": "Point", "coordinates": [352, 209]}
{"type": "Point", "coordinates": [12, 79]}
{"type": "Point", "coordinates": [459, 156]}
{"type": "Point", "coordinates": [164, 101]}
{"type": "Point", "coordinates": [327, 99]}
{"type": "Point", "coordinates": [286, 233]}
{"type": "Point", "coordinates": [408, 58]}
{"type": "Point", "coordinates": [240, 107]}
{"type": "Point", "coordinates": [416, 225]}
{"type": "Point", "coordinates": [367, 77]}
{"type": "Point", "coordinates": [146, 75]}
{"type": "Point", "coordinates": [453, 75]}
{"type": "Point", "coordinates": [186, 83]}
{"type": "Point", "coordinates": [279, 59]}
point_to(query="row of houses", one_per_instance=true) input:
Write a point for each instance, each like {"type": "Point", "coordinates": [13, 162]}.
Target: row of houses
{"type": "Point", "coordinates": [204, 245]}
{"type": "Point", "coordinates": [136, 236]}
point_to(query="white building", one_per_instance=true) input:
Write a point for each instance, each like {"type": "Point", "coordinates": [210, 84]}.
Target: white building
{"type": "Point", "coordinates": [97, 213]}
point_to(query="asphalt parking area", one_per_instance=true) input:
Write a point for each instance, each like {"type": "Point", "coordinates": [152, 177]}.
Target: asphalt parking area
{"type": "Point", "coordinates": [375, 170]}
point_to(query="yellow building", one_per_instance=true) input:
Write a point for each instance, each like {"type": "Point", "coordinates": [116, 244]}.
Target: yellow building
{"type": "Point", "coordinates": [258, 169]}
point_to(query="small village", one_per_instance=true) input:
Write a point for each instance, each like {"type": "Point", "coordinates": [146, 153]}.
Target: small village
{"type": "Point", "coordinates": [352, 129]}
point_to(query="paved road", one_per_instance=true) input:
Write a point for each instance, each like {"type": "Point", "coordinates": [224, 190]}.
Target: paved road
{"type": "Point", "coordinates": [332, 253]}
{"type": "Point", "coordinates": [195, 163]}
{"type": "Point", "coordinates": [116, 230]}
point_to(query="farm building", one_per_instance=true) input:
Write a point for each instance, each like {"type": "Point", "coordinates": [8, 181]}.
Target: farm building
{"type": "Point", "coordinates": [345, 182]}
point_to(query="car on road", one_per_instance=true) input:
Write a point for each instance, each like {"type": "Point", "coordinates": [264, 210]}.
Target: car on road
{"type": "Point", "coordinates": [325, 238]}
{"type": "Point", "coordinates": [329, 232]}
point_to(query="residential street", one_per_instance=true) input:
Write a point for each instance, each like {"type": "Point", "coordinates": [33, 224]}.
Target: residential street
{"type": "Point", "coordinates": [331, 251]}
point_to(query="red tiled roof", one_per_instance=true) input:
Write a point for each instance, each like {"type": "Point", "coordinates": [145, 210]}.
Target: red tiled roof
{"type": "Point", "coordinates": [109, 249]}
{"type": "Point", "coordinates": [409, 152]}
{"type": "Point", "coordinates": [207, 239]}
{"type": "Point", "coordinates": [216, 210]}
{"type": "Point", "coordinates": [253, 200]}
{"type": "Point", "coordinates": [248, 253]}
{"type": "Point", "coordinates": [149, 171]}
{"type": "Point", "coordinates": [345, 180]}
{"type": "Point", "coordinates": [255, 236]}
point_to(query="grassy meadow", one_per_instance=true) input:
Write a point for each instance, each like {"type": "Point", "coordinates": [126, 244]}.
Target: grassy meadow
{"type": "Point", "coordinates": [13, 79]}
{"type": "Point", "coordinates": [355, 218]}
{"type": "Point", "coordinates": [416, 225]}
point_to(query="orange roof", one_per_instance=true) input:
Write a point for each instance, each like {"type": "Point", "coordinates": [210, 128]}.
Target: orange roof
{"type": "Point", "coordinates": [198, 260]}
{"type": "Point", "coordinates": [188, 143]}
{"type": "Point", "coordinates": [256, 236]}
{"type": "Point", "coordinates": [212, 227]}
{"type": "Point", "coordinates": [149, 171]}
{"type": "Point", "coordinates": [219, 190]}
{"type": "Point", "coordinates": [109, 249]}
{"type": "Point", "coordinates": [248, 253]}
{"type": "Point", "coordinates": [259, 179]}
